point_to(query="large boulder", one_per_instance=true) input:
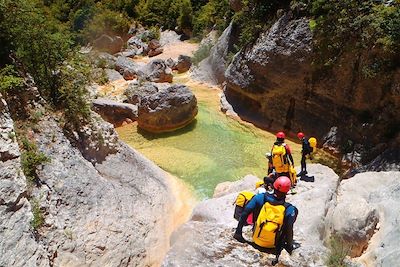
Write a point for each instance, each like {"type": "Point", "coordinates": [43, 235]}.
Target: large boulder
{"type": "Point", "coordinates": [157, 71]}
{"type": "Point", "coordinates": [169, 109]}
{"type": "Point", "coordinates": [135, 92]}
{"type": "Point", "coordinates": [109, 44]}
{"type": "Point", "coordinates": [128, 68]}
{"type": "Point", "coordinates": [206, 240]}
{"type": "Point", "coordinates": [365, 215]}
{"type": "Point", "coordinates": [115, 112]}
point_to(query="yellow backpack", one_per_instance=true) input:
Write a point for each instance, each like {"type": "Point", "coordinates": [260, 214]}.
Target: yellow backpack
{"type": "Point", "coordinates": [279, 160]}
{"type": "Point", "coordinates": [241, 200]}
{"type": "Point", "coordinates": [268, 225]}
{"type": "Point", "coordinates": [313, 143]}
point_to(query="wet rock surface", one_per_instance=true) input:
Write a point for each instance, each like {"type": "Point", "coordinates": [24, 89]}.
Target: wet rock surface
{"type": "Point", "coordinates": [168, 109]}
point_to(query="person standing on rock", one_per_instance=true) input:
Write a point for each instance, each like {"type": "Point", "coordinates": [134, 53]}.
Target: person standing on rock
{"type": "Point", "coordinates": [273, 217]}
{"type": "Point", "coordinates": [306, 150]}
{"type": "Point", "coordinates": [281, 156]}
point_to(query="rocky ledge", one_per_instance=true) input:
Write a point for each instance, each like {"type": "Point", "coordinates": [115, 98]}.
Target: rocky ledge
{"type": "Point", "coordinates": [364, 213]}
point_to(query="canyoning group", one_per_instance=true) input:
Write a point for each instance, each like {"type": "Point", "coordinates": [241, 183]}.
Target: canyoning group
{"type": "Point", "coordinates": [271, 217]}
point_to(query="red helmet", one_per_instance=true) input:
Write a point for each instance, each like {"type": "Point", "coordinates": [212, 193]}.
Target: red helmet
{"type": "Point", "coordinates": [280, 135]}
{"type": "Point", "coordinates": [282, 184]}
{"type": "Point", "coordinates": [300, 135]}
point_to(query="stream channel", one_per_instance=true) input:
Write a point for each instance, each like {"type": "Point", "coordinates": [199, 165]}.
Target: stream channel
{"type": "Point", "coordinates": [214, 148]}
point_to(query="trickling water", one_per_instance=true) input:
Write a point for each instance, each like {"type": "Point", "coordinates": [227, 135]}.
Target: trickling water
{"type": "Point", "coordinates": [214, 148]}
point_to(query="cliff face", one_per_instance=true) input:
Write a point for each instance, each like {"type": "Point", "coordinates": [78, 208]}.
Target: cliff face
{"type": "Point", "coordinates": [273, 84]}
{"type": "Point", "coordinates": [109, 208]}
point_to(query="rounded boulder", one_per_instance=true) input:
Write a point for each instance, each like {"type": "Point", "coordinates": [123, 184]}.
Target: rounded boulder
{"type": "Point", "coordinates": [167, 110]}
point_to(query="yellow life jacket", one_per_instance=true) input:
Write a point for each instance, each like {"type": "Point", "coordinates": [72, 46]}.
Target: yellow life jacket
{"type": "Point", "coordinates": [313, 143]}
{"type": "Point", "coordinates": [268, 225]}
{"type": "Point", "coordinates": [279, 158]}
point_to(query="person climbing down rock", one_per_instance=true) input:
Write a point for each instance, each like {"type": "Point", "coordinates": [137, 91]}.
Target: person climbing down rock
{"type": "Point", "coordinates": [281, 156]}
{"type": "Point", "coordinates": [274, 219]}
{"type": "Point", "coordinates": [306, 151]}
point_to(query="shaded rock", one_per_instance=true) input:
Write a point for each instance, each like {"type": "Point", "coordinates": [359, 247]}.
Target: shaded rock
{"type": "Point", "coordinates": [129, 74]}
{"type": "Point", "coordinates": [135, 92]}
{"type": "Point", "coordinates": [206, 240]}
{"type": "Point", "coordinates": [365, 214]}
{"type": "Point", "coordinates": [157, 71]}
{"type": "Point", "coordinates": [109, 44]}
{"type": "Point", "coordinates": [167, 110]}
{"type": "Point", "coordinates": [184, 63]}
{"type": "Point", "coordinates": [130, 52]}
{"type": "Point", "coordinates": [155, 52]}
{"type": "Point", "coordinates": [154, 44]}
{"type": "Point", "coordinates": [114, 112]}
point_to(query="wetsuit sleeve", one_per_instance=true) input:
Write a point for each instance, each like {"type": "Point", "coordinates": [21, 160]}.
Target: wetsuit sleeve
{"type": "Point", "coordinates": [257, 200]}
{"type": "Point", "coordinates": [289, 153]}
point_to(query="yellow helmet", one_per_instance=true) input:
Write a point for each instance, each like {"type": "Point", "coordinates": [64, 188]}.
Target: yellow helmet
{"type": "Point", "coordinates": [259, 183]}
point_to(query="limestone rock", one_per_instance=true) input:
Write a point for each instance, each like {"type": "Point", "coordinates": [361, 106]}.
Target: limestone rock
{"type": "Point", "coordinates": [104, 60]}
{"type": "Point", "coordinates": [279, 66]}
{"type": "Point", "coordinates": [171, 108]}
{"type": "Point", "coordinates": [127, 67]}
{"type": "Point", "coordinates": [17, 243]}
{"type": "Point", "coordinates": [207, 240]}
{"type": "Point", "coordinates": [115, 112]}
{"type": "Point", "coordinates": [247, 183]}
{"type": "Point", "coordinates": [365, 214]}
{"type": "Point", "coordinates": [157, 71]}
{"type": "Point", "coordinates": [184, 63]}
{"type": "Point", "coordinates": [113, 75]}
{"type": "Point", "coordinates": [169, 37]}
{"type": "Point", "coordinates": [135, 92]}
{"type": "Point", "coordinates": [112, 213]}
{"type": "Point", "coordinates": [109, 44]}
{"type": "Point", "coordinates": [136, 43]}
{"type": "Point", "coordinates": [212, 69]}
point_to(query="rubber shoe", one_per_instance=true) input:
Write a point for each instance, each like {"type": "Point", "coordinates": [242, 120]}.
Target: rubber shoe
{"type": "Point", "coordinates": [239, 238]}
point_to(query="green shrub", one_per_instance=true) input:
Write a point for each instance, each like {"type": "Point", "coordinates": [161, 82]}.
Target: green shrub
{"type": "Point", "coordinates": [38, 216]}
{"type": "Point", "coordinates": [31, 159]}
{"type": "Point", "coordinates": [106, 21]}
{"type": "Point", "coordinates": [9, 79]}
{"type": "Point", "coordinates": [201, 53]}
{"type": "Point", "coordinates": [338, 252]}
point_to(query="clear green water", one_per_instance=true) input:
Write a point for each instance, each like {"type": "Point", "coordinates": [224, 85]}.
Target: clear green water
{"type": "Point", "coordinates": [212, 149]}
